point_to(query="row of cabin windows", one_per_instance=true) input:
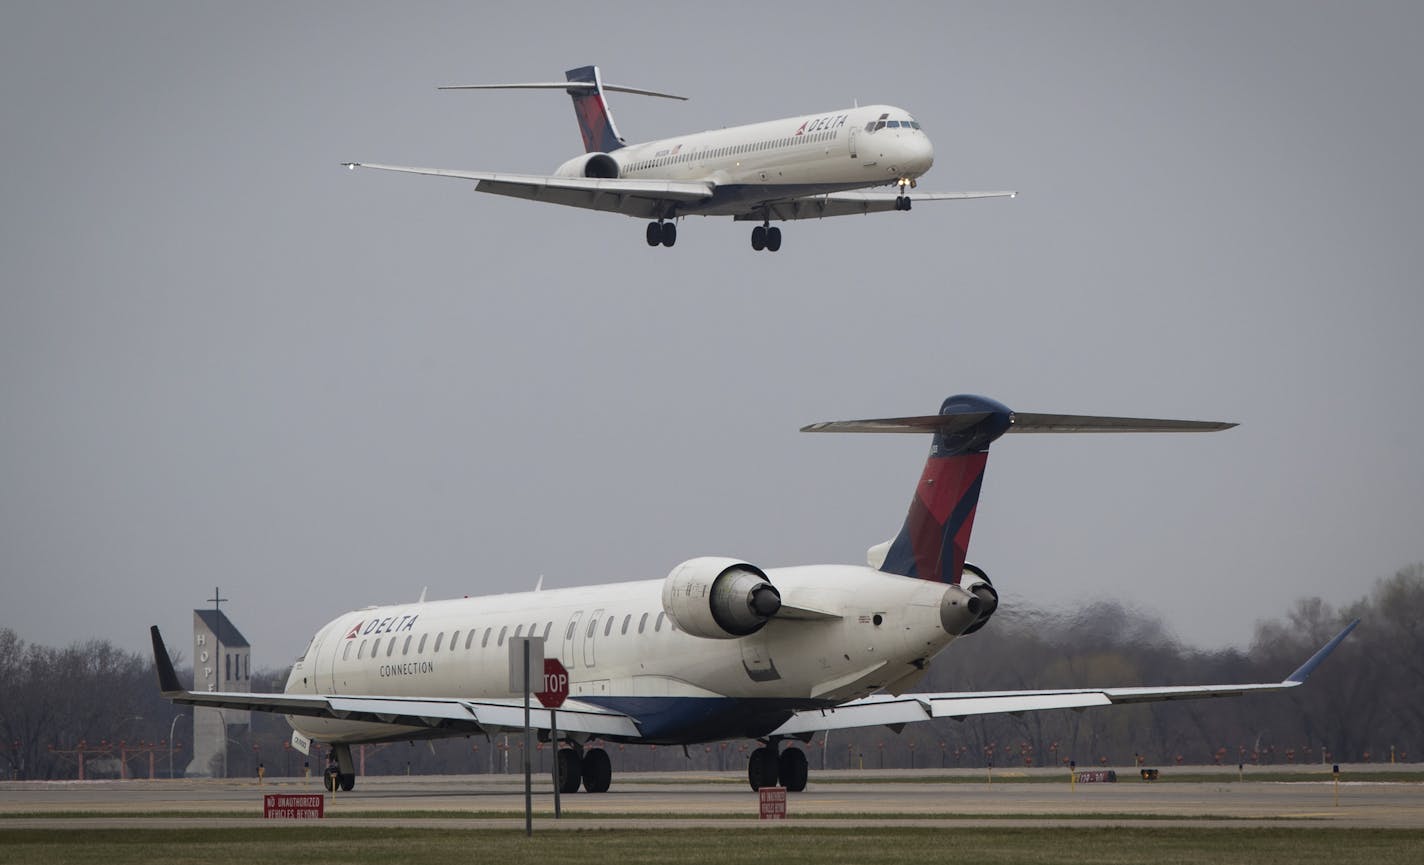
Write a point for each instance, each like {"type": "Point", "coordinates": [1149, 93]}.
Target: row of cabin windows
{"type": "Point", "coordinates": [503, 632]}
{"type": "Point", "coordinates": [718, 152]}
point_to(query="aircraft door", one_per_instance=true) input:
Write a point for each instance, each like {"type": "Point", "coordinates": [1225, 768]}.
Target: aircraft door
{"type": "Point", "coordinates": [591, 634]}
{"type": "Point", "coordinates": [851, 142]}
{"type": "Point", "coordinates": [326, 661]}
{"type": "Point", "coordinates": [571, 636]}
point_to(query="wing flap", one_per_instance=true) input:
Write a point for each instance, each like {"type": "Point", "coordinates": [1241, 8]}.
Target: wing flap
{"type": "Point", "coordinates": [852, 203]}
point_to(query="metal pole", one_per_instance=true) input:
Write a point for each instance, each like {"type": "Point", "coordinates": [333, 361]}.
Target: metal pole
{"type": "Point", "coordinates": [171, 725]}
{"type": "Point", "coordinates": [528, 746]}
{"type": "Point", "coordinates": [554, 738]}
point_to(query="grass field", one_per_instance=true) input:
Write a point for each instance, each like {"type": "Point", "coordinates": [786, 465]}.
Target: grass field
{"type": "Point", "coordinates": [783, 844]}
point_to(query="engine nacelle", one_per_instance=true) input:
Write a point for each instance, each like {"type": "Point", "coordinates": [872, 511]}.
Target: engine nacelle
{"type": "Point", "coordinates": [719, 598]}
{"type": "Point", "coordinates": [599, 165]}
{"type": "Point", "coordinates": [974, 581]}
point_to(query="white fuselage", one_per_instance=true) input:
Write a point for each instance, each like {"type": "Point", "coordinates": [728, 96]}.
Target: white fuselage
{"type": "Point", "coordinates": [811, 154]}
{"type": "Point", "coordinates": [623, 652]}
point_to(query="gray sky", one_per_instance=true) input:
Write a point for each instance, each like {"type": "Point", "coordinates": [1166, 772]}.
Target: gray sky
{"type": "Point", "coordinates": [224, 360]}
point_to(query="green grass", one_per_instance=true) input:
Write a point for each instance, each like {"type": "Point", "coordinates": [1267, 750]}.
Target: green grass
{"type": "Point", "coordinates": [783, 844]}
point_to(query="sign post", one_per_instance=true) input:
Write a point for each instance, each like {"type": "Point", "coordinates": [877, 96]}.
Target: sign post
{"type": "Point", "coordinates": [773, 803]}
{"type": "Point", "coordinates": [552, 693]}
{"type": "Point", "coordinates": [524, 654]}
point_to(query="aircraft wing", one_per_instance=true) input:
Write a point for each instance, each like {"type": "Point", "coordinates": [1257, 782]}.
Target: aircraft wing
{"type": "Point", "coordinates": [647, 199]}
{"type": "Point", "coordinates": [895, 712]}
{"type": "Point", "coordinates": [851, 203]}
{"type": "Point", "coordinates": [438, 714]}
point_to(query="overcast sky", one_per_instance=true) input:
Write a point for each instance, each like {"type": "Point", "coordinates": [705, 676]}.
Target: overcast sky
{"type": "Point", "coordinates": [225, 360]}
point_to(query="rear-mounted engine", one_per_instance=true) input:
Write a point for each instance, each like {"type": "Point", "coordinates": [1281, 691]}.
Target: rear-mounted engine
{"type": "Point", "coordinates": [719, 598]}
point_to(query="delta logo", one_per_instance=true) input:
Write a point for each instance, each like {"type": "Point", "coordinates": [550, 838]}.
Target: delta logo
{"type": "Point", "coordinates": [388, 625]}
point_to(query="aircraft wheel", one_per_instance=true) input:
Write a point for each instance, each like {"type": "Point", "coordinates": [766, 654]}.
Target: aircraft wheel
{"type": "Point", "coordinates": [597, 771]}
{"type": "Point", "coordinates": [655, 234]}
{"type": "Point", "coordinates": [348, 782]}
{"type": "Point", "coordinates": [669, 233]}
{"type": "Point", "coordinates": [762, 768]}
{"type": "Point", "coordinates": [793, 770]}
{"type": "Point", "coordinates": [907, 202]}
{"type": "Point", "coordinates": [759, 238]}
{"type": "Point", "coordinates": [328, 780]}
{"type": "Point", "coordinates": [569, 769]}
{"type": "Point", "coordinates": [773, 239]}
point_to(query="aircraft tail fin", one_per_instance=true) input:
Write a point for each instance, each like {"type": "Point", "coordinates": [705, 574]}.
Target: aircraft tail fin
{"type": "Point", "coordinates": [934, 540]}
{"type": "Point", "coordinates": [600, 134]}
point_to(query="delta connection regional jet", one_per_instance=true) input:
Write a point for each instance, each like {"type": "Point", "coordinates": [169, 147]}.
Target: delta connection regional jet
{"type": "Point", "coordinates": [718, 649]}
{"type": "Point", "coordinates": [805, 167]}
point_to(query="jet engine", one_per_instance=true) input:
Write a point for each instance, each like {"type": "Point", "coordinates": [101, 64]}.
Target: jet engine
{"type": "Point", "coordinates": [974, 581]}
{"type": "Point", "coordinates": [599, 165]}
{"type": "Point", "coordinates": [719, 598]}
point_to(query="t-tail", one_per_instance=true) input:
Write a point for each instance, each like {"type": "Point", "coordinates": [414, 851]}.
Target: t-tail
{"type": "Point", "coordinates": [585, 85]}
{"type": "Point", "coordinates": [934, 541]}
{"type": "Point", "coordinates": [600, 134]}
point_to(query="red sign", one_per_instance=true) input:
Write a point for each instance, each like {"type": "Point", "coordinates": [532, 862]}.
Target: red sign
{"type": "Point", "coordinates": [773, 803]}
{"type": "Point", "coordinates": [286, 806]}
{"type": "Point", "coordinates": [556, 684]}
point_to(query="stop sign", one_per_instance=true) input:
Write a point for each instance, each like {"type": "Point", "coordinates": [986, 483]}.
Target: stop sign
{"type": "Point", "coordinates": [556, 684]}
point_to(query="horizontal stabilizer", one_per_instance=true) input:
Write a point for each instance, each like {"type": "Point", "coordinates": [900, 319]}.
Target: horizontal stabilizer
{"type": "Point", "coordinates": [1020, 422]}
{"type": "Point", "coordinates": [569, 86]}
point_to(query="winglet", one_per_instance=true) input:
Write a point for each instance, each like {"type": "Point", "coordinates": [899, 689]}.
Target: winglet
{"type": "Point", "coordinates": [167, 677]}
{"type": "Point", "coordinates": [1304, 671]}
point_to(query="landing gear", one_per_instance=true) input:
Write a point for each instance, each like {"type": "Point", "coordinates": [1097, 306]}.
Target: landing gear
{"type": "Point", "coordinates": [902, 202]}
{"type": "Point", "coordinates": [340, 772]}
{"type": "Point", "coordinates": [597, 771]}
{"type": "Point", "coordinates": [765, 768]}
{"type": "Point", "coordinates": [766, 237]}
{"type": "Point", "coordinates": [574, 766]}
{"type": "Point", "coordinates": [662, 233]}
{"type": "Point", "coordinates": [568, 770]}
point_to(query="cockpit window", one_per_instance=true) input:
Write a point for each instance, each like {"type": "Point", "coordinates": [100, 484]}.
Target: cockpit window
{"type": "Point", "coordinates": [893, 124]}
{"type": "Point", "coordinates": [915, 124]}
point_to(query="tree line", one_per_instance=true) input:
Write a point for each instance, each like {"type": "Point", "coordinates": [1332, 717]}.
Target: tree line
{"type": "Point", "coordinates": [1366, 704]}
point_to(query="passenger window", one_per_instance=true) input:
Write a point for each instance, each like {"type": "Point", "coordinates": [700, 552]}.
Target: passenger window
{"type": "Point", "coordinates": [361, 652]}
{"type": "Point", "coordinates": [643, 623]}
{"type": "Point", "coordinates": [607, 627]}
{"type": "Point", "coordinates": [502, 632]}
{"type": "Point", "coordinates": [346, 652]}
{"type": "Point", "coordinates": [548, 626]}
{"type": "Point", "coordinates": [439, 639]}
{"type": "Point", "coordinates": [627, 620]}
{"type": "Point", "coordinates": [470, 638]}
{"type": "Point", "coordinates": [485, 641]}
{"type": "Point", "coordinates": [658, 626]}
{"type": "Point", "coordinates": [391, 646]}
{"type": "Point", "coordinates": [518, 632]}
{"type": "Point", "coordinates": [592, 626]}
{"type": "Point", "coordinates": [569, 634]}
{"type": "Point", "coordinates": [420, 650]}
{"type": "Point", "coordinates": [376, 647]}
{"type": "Point", "coordinates": [405, 650]}
{"type": "Point", "coordinates": [454, 638]}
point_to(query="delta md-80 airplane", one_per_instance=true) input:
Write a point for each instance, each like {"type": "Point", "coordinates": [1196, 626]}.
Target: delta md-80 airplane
{"type": "Point", "coordinates": [805, 167]}
{"type": "Point", "coordinates": [718, 649]}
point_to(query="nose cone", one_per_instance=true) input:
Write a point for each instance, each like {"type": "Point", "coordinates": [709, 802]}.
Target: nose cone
{"type": "Point", "coordinates": [920, 153]}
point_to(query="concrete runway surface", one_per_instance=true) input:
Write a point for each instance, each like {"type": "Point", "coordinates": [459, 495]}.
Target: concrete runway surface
{"type": "Point", "coordinates": [670, 800]}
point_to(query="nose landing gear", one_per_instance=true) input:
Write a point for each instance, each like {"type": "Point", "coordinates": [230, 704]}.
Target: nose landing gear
{"type": "Point", "coordinates": [902, 201]}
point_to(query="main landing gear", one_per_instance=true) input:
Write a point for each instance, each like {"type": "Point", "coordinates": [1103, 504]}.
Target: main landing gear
{"type": "Point", "coordinates": [573, 765]}
{"type": "Point", "coordinates": [765, 767]}
{"type": "Point", "coordinates": [662, 233]}
{"type": "Point", "coordinates": [766, 236]}
{"type": "Point", "coordinates": [340, 772]}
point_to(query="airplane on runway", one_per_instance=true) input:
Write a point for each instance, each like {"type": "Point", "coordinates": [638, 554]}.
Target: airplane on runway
{"type": "Point", "coordinates": [719, 649]}
{"type": "Point", "coordinates": [804, 167]}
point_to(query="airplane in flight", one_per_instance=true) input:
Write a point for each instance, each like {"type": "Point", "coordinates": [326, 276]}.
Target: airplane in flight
{"type": "Point", "coordinates": [805, 167]}
{"type": "Point", "coordinates": [719, 649]}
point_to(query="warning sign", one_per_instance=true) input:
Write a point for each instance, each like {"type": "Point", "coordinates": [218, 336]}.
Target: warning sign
{"type": "Point", "coordinates": [773, 803]}
{"type": "Point", "coordinates": [286, 806]}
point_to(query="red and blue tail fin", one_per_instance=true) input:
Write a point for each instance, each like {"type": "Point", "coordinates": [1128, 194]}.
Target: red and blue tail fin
{"type": "Point", "coordinates": [935, 538]}
{"type": "Point", "coordinates": [933, 543]}
{"type": "Point", "coordinates": [600, 135]}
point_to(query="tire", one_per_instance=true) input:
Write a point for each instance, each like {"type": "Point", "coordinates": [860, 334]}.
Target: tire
{"type": "Point", "coordinates": [793, 770]}
{"type": "Point", "coordinates": [597, 771]}
{"type": "Point", "coordinates": [773, 239]}
{"type": "Point", "coordinates": [755, 769]}
{"type": "Point", "coordinates": [669, 233]}
{"type": "Point", "coordinates": [348, 782]}
{"type": "Point", "coordinates": [759, 238]}
{"type": "Point", "coordinates": [570, 770]}
{"type": "Point", "coordinates": [907, 202]}
{"type": "Point", "coordinates": [328, 780]}
{"type": "Point", "coordinates": [655, 234]}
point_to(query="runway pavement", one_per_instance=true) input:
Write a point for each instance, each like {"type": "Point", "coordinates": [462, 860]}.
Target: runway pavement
{"type": "Point", "coordinates": [668, 800]}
